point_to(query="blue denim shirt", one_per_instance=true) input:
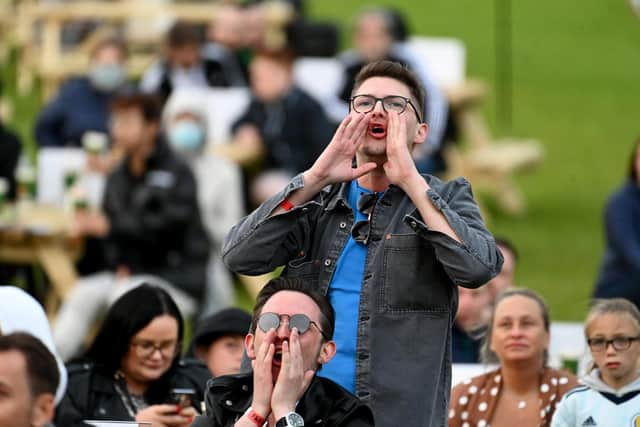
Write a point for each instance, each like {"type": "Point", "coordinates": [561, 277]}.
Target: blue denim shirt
{"type": "Point", "coordinates": [409, 297]}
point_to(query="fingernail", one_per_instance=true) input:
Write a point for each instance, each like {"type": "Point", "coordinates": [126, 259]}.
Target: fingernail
{"type": "Point", "coordinates": [178, 408]}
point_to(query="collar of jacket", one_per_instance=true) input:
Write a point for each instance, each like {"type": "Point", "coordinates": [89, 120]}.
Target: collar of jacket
{"type": "Point", "coordinates": [234, 393]}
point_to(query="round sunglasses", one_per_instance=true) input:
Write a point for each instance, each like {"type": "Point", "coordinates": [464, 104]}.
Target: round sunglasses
{"type": "Point", "coordinates": [301, 322]}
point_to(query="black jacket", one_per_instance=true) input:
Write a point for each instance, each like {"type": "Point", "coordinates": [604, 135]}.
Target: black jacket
{"type": "Point", "coordinates": [295, 130]}
{"type": "Point", "coordinates": [155, 221]}
{"type": "Point", "coordinates": [324, 404]}
{"type": "Point", "coordinates": [91, 394]}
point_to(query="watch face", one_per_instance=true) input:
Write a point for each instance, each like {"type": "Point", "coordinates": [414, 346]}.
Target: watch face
{"type": "Point", "coordinates": [295, 420]}
{"type": "Point", "coordinates": [291, 420]}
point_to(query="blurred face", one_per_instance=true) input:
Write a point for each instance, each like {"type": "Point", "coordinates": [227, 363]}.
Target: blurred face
{"type": "Point", "coordinates": [270, 79]}
{"type": "Point", "coordinates": [185, 57]}
{"type": "Point", "coordinates": [314, 351]}
{"type": "Point", "coordinates": [227, 28]}
{"type": "Point", "coordinates": [372, 39]}
{"type": "Point", "coordinates": [108, 55]}
{"type": "Point", "coordinates": [17, 407]}
{"type": "Point", "coordinates": [375, 144]}
{"type": "Point", "coordinates": [506, 278]}
{"type": "Point", "coordinates": [617, 367]}
{"type": "Point", "coordinates": [152, 350]}
{"type": "Point", "coordinates": [474, 307]}
{"type": "Point", "coordinates": [518, 331]}
{"type": "Point", "coordinates": [130, 131]}
{"type": "Point", "coordinates": [224, 355]}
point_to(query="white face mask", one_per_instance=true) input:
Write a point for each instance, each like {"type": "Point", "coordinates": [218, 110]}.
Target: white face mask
{"type": "Point", "coordinates": [107, 77]}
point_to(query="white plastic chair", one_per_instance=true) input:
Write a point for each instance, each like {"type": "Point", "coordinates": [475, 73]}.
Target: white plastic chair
{"type": "Point", "coordinates": [444, 58]}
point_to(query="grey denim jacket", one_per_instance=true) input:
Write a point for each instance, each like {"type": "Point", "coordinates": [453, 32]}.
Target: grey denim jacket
{"type": "Point", "coordinates": [408, 298]}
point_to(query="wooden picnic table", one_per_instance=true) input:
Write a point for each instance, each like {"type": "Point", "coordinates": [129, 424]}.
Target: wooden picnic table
{"type": "Point", "coordinates": [37, 234]}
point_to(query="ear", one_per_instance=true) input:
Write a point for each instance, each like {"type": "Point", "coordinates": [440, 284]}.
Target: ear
{"type": "Point", "coordinates": [422, 130]}
{"type": "Point", "coordinates": [327, 351]}
{"type": "Point", "coordinates": [248, 345]}
{"type": "Point", "coordinates": [43, 410]}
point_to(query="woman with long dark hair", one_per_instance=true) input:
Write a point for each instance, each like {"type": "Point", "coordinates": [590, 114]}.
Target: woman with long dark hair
{"type": "Point", "coordinates": [132, 369]}
{"type": "Point", "coordinates": [620, 271]}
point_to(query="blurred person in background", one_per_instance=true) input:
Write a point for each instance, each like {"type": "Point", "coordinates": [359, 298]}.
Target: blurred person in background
{"type": "Point", "coordinates": [219, 184]}
{"type": "Point", "coordinates": [150, 221]}
{"type": "Point", "coordinates": [28, 380]}
{"type": "Point", "coordinates": [506, 278]}
{"type": "Point", "coordinates": [10, 149]}
{"type": "Point", "coordinates": [219, 340]}
{"type": "Point", "coordinates": [183, 64]}
{"type": "Point", "coordinates": [523, 387]}
{"type": "Point", "coordinates": [225, 41]}
{"type": "Point", "coordinates": [474, 309]}
{"type": "Point", "coordinates": [20, 312]}
{"type": "Point", "coordinates": [283, 129]}
{"type": "Point", "coordinates": [133, 365]}
{"type": "Point", "coordinates": [380, 33]}
{"type": "Point", "coordinates": [620, 269]}
{"type": "Point", "coordinates": [82, 103]}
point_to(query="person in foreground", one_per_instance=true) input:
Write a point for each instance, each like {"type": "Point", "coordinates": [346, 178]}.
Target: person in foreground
{"type": "Point", "coordinates": [523, 387]}
{"type": "Point", "coordinates": [28, 381]}
{"type": "Point", "coordinates": [387, 245]}
{"type": "Point", "coordinates": [610, 395]}
{"type": "Point", "coordinates": [133, 367]}
{"type": "Point", "coordinates": [289, 341]}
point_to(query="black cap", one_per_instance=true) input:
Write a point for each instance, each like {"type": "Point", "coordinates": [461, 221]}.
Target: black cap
{"type": "Point", "coordinates": [224, 322]}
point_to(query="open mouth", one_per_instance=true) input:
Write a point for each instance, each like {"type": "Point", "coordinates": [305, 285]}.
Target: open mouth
{"type": "Point", "coordinates": [377, 131]}
{"type": "Point", "coordinates": [277, 357]}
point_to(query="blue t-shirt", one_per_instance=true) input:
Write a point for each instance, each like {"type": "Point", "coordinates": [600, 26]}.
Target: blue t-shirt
{"type": "Point", "coordinates": [344, 294]}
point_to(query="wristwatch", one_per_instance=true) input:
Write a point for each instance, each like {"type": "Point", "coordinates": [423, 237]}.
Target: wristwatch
{"type": "Point", "coordinates": [291, 420]}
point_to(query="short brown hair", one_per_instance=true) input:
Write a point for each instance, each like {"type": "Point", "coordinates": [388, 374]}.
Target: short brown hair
{"type": "Point", "coordinates": [327, 314]}
{"type": "Point", "coordinates": [393, 70]}
{"type": "Point", "coordinates": [148, 105]}
{"type": "Point", "coordinates": [183, 34]}
{"type": "Point", "coordinates": [42, 370]}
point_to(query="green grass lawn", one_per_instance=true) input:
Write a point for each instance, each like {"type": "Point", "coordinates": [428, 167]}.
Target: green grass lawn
{"type": "Point", "coordinates": [575, 88]}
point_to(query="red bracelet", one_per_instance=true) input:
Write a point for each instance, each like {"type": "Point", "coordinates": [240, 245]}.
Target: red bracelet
{"type": "Point", "coordinates": [256, 418]}
{"type": "Point", "coordinates": [286, 205]}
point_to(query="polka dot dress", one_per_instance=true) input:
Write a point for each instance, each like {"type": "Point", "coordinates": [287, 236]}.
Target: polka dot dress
{"type": "Point", "coordinates": [474, 400]}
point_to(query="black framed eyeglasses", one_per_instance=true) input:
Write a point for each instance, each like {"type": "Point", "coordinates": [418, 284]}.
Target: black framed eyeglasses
{"type": "Point", "coordinates": [361, 229]}
{"type": "Point", "coordinates": [145, 349]}
{"type": "Point", "coordinates": [618, 343]}
{"type": "Point", "coordinates": [301, 322]}
{"type": "Point", "coordinates": [365, 103]}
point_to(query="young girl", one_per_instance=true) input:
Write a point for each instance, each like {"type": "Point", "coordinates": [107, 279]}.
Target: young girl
{"type": "Point", "coordinates": [611, 392]}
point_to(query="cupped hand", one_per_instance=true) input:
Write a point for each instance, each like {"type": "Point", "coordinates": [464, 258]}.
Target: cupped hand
{"type": "Point", "coordinates": [335, 163]}
{"type": "Point", "coordinates": [166, 415]}
{"type": "Point", "coordinates": [400, 167]}
{"type": "Point", "coordinates": [262, 376]}
{"type": "Point", "coordinates": [293, 378]}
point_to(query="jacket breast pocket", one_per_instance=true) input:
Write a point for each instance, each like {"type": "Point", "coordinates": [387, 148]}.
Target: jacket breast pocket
{"type": "Point", "coordinates": [307, 271]}
{"type": "Point", "coordinates": [413, 280]}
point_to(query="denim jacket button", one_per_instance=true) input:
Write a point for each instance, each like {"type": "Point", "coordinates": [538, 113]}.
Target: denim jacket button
{"type": "Point", "coordinates": [343, 225]}
{"type": "Point", "coordinates": [414, 225]}
{"type": "Point", "coordinates": [228, 403]}
{"type": "Point", "coordinates": [327, 262]}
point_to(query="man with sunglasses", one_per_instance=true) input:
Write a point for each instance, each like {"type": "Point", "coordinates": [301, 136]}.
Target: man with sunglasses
{"type": "Point", "coordinates": [386, 244]}
{"type": "Point", "coordinates": [290, 338]}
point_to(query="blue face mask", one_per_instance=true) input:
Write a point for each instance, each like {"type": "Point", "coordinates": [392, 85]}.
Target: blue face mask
{"type": "Point", "coordinates": [107, 77]}
{"type": "Point", "coordinates": [186, 136]}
